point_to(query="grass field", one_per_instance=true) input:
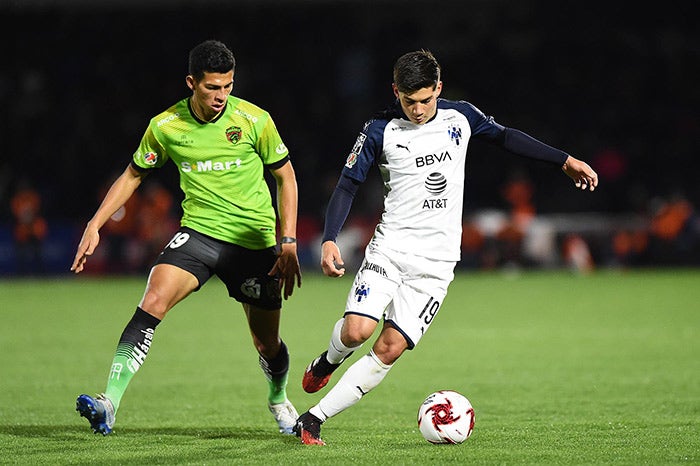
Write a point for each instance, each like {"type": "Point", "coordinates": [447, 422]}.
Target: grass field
{"type": "Point", "coordinates": [561, 369]}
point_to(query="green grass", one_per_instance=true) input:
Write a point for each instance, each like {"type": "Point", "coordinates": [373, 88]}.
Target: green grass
{"type": "Point", "coordinates": [561, 369]}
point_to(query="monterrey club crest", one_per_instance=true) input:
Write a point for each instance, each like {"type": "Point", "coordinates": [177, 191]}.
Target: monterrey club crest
{"type": "Point", "coordinates": [234, 133]}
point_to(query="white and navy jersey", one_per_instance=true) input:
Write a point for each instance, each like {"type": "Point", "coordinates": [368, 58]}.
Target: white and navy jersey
{"type": "Point", "coordinates": [423, 170]}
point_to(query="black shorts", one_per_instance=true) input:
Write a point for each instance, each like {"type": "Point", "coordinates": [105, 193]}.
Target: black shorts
{"type": "Point", "coordinates": [243, 271]}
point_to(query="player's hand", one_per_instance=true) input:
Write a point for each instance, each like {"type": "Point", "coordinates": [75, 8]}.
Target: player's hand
{"type": "Point", "coordinates": [287, 269]}
{"type": "Point", "coordinates": [88, 243]}
{"type": "Point", "coordinates": [583, 175]}
{"type": "Point", "coordinates": [331, 260]}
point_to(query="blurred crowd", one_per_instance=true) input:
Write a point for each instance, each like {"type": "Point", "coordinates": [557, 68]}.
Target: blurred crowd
{"type": "Point", "coordinates": [613, 85]}
{"type": "Point", "coordinates": [129, 241]}
{"type": "Point", "coordinates": [511, 238]}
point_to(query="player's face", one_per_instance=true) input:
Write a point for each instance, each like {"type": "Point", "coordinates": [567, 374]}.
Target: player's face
{"type": "Point", "coordinates": [209, 93]}
{"type": "Point", "coordinates": [419, 106]}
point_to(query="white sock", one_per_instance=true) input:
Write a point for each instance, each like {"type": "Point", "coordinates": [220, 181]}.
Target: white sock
{"type": "Point", "coordinates": [337, 351]}
{"type": "Point", "coordinates": [358, 380]}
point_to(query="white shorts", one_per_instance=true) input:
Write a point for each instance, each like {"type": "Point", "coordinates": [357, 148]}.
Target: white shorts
{"type": "Point", "coordinates": [403, 289]}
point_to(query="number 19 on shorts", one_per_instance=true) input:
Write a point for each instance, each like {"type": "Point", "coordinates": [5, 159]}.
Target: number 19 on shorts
{"type": "Point", "coordinates": [429, 311]}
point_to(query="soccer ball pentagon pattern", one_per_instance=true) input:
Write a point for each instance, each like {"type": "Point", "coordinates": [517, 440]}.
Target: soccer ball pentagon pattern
{"type": "Point", "coordinates": [446, 417]}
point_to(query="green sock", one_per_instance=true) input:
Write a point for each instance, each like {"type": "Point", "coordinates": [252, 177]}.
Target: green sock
{"type": "Point", "coordinates": [132, 350]}
{"type": "Point", "coordinates": [276, 372]}
{"type": "Point", "coordinates": [277, 391]}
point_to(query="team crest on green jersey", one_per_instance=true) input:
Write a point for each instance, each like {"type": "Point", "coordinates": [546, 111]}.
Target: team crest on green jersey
{"type": "Point", "coordinates": [234, 133]}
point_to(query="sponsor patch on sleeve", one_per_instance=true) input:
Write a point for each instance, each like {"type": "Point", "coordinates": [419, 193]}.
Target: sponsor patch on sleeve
{"type": "Point", "coordinates": [356, 149]}
{"type": "Point", "coordinates": [151, 158]}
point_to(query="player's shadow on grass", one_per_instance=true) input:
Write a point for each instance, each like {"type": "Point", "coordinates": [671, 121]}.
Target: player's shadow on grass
{"type": "Point", "coordinates": [212, 433]}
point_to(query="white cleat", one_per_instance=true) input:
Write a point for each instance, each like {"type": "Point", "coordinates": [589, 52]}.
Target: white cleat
{"type": "Point", "coordinates": [285, 415]}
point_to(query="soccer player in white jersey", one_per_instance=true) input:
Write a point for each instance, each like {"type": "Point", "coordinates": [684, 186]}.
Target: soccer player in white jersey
{"type": "Point", "coordinates": [420, 146]}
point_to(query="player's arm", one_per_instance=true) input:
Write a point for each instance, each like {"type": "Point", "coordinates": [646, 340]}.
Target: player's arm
{"type": "Point", "coordinates": [519, 143]}
{"type": "Point", "coordinates": [287, 264]}
{"type": "Point", "coordinates": [336, 214]}
{"type": "Point", "coordinates": [120, 191]}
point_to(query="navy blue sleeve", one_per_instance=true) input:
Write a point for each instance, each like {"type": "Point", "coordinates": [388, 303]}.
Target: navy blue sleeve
{"type": "Point", "coordinates": [519, 143]}
{"type": "Point", "coordinates": [363, 154]}
{"type": "Point", "coordinates": [339, 207]}
{"type": "Point", "coordinates": [515, 141]}
{"type": "Point", "coordinates": [366, 150]}
{"type": "Point", "coordinates": [482, 126]}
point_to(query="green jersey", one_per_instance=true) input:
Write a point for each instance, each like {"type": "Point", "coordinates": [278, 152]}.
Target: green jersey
{"type": "Point", "coordinates": [221, 168]}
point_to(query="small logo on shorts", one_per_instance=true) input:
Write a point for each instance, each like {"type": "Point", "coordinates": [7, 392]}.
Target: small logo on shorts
{"type": "Point", "coordinates": [361, 292]}
{"type": "Point", "coordinates": [251, 288]}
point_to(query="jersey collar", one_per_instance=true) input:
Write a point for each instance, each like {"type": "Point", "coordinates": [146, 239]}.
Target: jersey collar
{"type": "Point", "coordinates": [202, 122]}
{"type": "Point", "coordinates": [398, 110]}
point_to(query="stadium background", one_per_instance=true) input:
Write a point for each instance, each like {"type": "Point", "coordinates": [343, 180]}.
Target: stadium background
{"type": "Point", "coordinates": [611, 84]}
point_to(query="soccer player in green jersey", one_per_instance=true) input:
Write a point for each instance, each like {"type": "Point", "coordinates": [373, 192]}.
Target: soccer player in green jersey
{"type": "Point", "coordinates": [221, 146]}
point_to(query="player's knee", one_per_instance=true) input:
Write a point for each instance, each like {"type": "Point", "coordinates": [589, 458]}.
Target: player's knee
{"type": "Point", "coordinates": [388, 354]}
{"type": "Point", "coordinates": [388, 350]}
{"type": "Point", "coordinates": [356, 330]}
{"type": "Point", "coordinates": [267, 348]}
{"type": "Point", "coordinates": [155, 304]}
{"type": "Point", "coordinates": [355, 336]}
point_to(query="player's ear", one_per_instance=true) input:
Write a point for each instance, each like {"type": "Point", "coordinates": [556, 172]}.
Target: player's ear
{"type": "Point", "coordinates": [395, 89]}
{"type": "Point", "coordinates": [438, 88]}
{"type": "Point", "coordinates": [190, 82]}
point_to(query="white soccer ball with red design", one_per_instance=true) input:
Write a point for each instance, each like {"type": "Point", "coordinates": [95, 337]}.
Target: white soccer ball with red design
{"type": "Point", "coordinates": [446, 417]}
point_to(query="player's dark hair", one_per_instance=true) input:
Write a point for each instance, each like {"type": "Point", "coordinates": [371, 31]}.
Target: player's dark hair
{"type": "Point", "coordinates": [210, 56]}
{"type": "Point", "coordinates": [416, 70]}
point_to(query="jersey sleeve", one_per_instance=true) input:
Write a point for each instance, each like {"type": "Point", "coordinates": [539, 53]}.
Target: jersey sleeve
{"type": "Point", "coordinates": [512, 140]}
{"type": "Point", "coordinates": [365, 151]}
{"type": "Point", "coordinates": [482, 125]}
{"type": "Point", "coordinates": [269, 144]}
{"type": "Point", "coordinates": [339, 208]}
{"type": "Point", "coordinates": [150, 153]}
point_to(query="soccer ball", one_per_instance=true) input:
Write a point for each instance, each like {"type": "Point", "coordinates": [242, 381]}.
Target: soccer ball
{"type": "Point", "coordinates": [446, 417]}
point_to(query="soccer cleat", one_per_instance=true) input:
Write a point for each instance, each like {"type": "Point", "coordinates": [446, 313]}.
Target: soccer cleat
{"type": "Point", "coordinates": [308, 428]}
{"type": "Point", "coordinates": [285, 415]}
{"type": "Point", "coordinates": [99, 411]}
{"type": "Point", "coordinates": [318, 373]}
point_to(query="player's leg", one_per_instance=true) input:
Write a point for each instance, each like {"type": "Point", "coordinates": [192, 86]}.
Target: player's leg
{"type": "Point", "coordinates": [167, 285]}
{"type": "Point", "coordinates": [361, 377]}
{"type": "Point", "coordinates": [373, 288]}
{"type": "Point", "coordinates": [407, 317]}
{"type": "Point", "coordinates": [273, 354]}
{"type": "Point", "coordinates": [273, 357]}
{"type": "Point", "coordinates": [262, 301]}
{"type": "Point", "coordinates": [349, 333]}
{"type": "Point", "coordinates": [176, 274]}
{"type": "Point", "coordinates": [364, 375]}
